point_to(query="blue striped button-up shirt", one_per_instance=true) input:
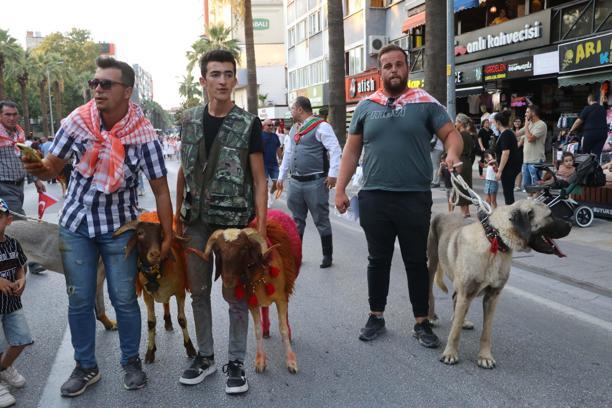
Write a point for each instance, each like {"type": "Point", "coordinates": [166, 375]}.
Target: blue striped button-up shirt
{"type": "Point", "coordinates": [105, 212]}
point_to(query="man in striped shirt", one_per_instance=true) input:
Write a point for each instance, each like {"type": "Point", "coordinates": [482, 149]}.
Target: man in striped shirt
{"type": "Point", "coordinates": [110, 141]}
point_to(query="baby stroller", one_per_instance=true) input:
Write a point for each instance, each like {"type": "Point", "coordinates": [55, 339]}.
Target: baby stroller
{"type": "Point", "coordinates": [557, 194]}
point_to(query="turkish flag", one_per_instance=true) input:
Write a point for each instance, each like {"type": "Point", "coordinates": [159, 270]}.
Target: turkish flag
{"type": "Point", "coordinates": [44, 201]}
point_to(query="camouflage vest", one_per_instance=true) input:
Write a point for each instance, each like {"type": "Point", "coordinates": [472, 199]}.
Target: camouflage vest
{"type": "Point", "coordinates": [219, 190]}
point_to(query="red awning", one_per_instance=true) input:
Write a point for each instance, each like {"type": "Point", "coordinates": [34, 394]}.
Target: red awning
{"type": "Point", "coordinates": [413, 21]}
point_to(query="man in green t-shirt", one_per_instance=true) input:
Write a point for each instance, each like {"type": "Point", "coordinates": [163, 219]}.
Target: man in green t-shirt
{"type": "Point", "coordinates": [394, 127]}
{"type": "Point", "coordinates": [533, 138]}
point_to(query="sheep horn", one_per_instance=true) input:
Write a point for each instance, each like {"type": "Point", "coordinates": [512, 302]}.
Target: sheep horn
{"type": "Point", "coordinates": [255, 237]}
{"type": "Point", "coordinates": [130, 226]}
{"type": "Point", "coordinates": [214, 237]}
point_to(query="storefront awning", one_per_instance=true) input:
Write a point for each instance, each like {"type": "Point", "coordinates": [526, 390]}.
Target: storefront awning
{"type": "Point", "coordinates": [465, 4]}
{"type": "Point", "coordinates": [413, 21]}
{"type": "Point", "coordinates": [582, 79]}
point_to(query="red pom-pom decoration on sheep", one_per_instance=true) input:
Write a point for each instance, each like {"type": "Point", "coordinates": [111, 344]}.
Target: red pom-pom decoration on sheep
{"type": "Point", "coordinates": [253, 301]}
{"type": "Point", "coordinates": [239, 292]}
{"type": "Point", "coordinates": [274, 271]}
{"type": "Point", "coordinates": [270, 289]}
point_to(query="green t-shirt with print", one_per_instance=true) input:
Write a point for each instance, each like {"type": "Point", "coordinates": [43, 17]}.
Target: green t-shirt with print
{"type": "Point", "coordinates": [396, 144]}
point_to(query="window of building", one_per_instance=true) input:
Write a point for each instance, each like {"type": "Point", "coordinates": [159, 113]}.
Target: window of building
{"type": "Point", "coordinates": [301, 31]}
{"type": "Point", "coordinates": [314, 23]}
{"type": "Point", "coordinates": [355, 61]}
{"type": "Point", "coordinates": [403, 42]}
{"type": "Point", "coordinates": [290, 12]}
{"type": "Point", "coordinates": [603, 15]}
{"type": "Point", "coordinates": [301, 7]}
{"type": "Point", "coordinates": [312, 4]}
{"type": "Point", "coordinates": [352, 6]}
{"type": "Point", "coordinates": [377, 3]}
{"type": "Point", "coordinates": [291, 37]}
{"type": "Point", "coordinates": [417, 37]}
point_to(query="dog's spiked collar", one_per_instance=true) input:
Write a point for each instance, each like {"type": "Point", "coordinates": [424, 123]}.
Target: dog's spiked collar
{"type": "Point", "coordinates": [152, 273]}
{"type": "Point", "coordinates": [497, 244]}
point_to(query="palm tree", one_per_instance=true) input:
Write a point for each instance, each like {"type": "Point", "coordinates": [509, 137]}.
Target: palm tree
{"type": "Point", "coordinates": [435, 48]}
{"type": "Point", "coordinates": [20, 69]}
{"type": "Point", "coordinates": [337, 103]}
{"type": "Point", "coordinates": [189, 87]}
{"type": "Point", "coordinates": [249, 43]}
{"type": "Point", "coordinates": [9, 50]}
{"type": "Point", "coordinates": [45, 66]}
{"type": "Point", "coordinates": [219, 37]}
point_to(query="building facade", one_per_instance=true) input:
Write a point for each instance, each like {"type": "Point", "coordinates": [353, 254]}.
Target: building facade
{"type": "Point", "coordinates": [143, 86]}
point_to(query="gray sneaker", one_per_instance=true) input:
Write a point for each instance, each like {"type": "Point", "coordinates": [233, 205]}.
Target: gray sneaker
{"type": "Point", "coordinates": [134, 378]}
{"type": "Point", "coordinates": [79, 380]}
{"type": "Point", "coordinates": [426, 337]}
{"type": "Point", "coordinates": [373, 328]}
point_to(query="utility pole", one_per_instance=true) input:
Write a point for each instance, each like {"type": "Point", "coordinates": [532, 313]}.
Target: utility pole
{"type": "Point", "coordinates": [50, 105]}
{"type": "Point", "coordinates": [450, 59]}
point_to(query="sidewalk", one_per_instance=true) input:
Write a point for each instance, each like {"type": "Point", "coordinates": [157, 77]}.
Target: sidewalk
{"type": "Point", "coordinates": [588, 250]}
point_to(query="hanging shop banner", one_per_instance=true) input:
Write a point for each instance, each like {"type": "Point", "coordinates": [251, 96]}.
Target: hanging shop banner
{"type": "Point", "coordinates": [515, 35]}
{"type": "Point", "coordinates": [493, 72]}
{"type": "Point", "coordinates": [594, 52]}
{"type": "Point", "coordinates": [519, 68]}
{"type": "Point", "coordinates": [359, 86]}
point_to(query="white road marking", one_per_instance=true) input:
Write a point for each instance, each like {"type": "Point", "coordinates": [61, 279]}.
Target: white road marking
{"type": "Point", "coordinates": [60, 370]}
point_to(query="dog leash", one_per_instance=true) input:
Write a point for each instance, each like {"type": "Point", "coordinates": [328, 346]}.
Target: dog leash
{"type": "Point", "coordinates": [459, 183]}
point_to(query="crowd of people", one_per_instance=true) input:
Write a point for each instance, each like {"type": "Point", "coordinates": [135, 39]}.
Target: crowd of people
{"type": "Point", "coordinates": [231, 167]}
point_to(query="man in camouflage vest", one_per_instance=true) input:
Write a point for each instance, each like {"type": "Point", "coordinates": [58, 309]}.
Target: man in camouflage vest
{"type": "Point", "coordinates": [312, 157]}
{"type": "Point", "coordinates": [221, 184]}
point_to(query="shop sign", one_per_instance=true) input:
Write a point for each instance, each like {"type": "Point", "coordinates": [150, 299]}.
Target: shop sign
{"type": "Point", "coordinates": [594, 52]}
{"type": "Point", "coordinates": [493, 72]}
{"type": "Point", "coordinates": [519, 34]}
{"type": "Point", "coordinates": [416, 83]}
{"type": "Point", "coordinates": [359, 86]}
{"type": "Point", "coordinates": [314, 93]}
{"type": "Point", "coordinates": [261, 24]}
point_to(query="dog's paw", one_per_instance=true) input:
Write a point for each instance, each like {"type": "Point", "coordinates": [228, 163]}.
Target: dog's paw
{"type": "Point", "coordinates": [487, 362]}
{"type": "Point", "coordinates": [260, 362]}
{"type": "Point", "coordinates": [449, 357]}
{"type": "Point", "coordinates": [467, 325]}
{"type": "Point", "coordinates": [292, 363]}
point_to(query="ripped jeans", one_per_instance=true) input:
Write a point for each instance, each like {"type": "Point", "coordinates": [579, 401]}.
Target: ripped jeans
{"type": "Point", "coordinates": [80, 258]}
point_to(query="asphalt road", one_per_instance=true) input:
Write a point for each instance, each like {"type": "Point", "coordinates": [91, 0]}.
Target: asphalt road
{"type": "Point", "coordinates": [551, 342]}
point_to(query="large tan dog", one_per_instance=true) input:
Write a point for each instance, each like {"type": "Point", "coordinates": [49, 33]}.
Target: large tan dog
{"type": "Point", "coordinates": [478, 262]}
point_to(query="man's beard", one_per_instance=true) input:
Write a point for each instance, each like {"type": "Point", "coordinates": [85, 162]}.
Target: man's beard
{"type": "Point", "coordinates": [397, 88]}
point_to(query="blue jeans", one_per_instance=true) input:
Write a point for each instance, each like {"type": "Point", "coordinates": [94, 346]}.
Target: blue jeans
{"type": "Point", "coordinates": [531, 175]}
{"type": "Point", "coordinates": [80, 258]}
{"type": "Point", "coordinates": [16, 330]}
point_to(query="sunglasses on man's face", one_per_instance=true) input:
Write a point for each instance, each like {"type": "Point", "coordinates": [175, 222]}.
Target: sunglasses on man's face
{"type": "Point", "coordinates": [105, 84]}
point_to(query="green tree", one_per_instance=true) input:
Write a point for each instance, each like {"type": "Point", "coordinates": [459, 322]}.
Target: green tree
{"type": "Point", "coordinates": [45, 67]}
{"type": "Point", "coordinates": [9, 50]}
{"type": "Point", "coordinates": [20, 70]}
{"type": "Point", "coordinates": [337, 103]}
{"type": "Point", "coordinates": [160, 119]}
{"type": "Point", "coordinates": [189, 88]}
{"type": "Point", "coordinates": [435, 49]}
{"type": "Point", "coordinates": [219, 37]}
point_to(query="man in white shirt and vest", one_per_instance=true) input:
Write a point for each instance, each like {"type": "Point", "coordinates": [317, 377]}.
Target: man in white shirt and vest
{"type": "Point", "coordinates": [312, 172]}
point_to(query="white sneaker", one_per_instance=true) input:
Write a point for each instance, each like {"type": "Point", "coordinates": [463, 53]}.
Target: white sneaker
{"type": "Point", "coordinates": [12, 377]}
{"type": "Point", "coordinates": [6, 399]}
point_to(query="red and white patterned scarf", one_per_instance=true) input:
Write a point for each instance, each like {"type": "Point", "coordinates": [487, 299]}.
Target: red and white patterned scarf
{"type": "Point", "coordinates": [7, 140]}
{"type": "Point", "coordinates": [104, 161]}
{"type": "Point", "coordinates": [412, 95]}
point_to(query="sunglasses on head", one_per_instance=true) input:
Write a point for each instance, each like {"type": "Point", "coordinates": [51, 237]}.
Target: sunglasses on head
{"type": "Point", "coordinates": [105, 84]}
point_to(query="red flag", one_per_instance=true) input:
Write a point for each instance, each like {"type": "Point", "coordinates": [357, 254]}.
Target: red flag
{"type": "Point", "coordinates": [44, 201]}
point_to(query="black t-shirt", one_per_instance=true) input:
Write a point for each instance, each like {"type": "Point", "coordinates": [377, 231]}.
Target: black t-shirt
{"type": "Point", "coordinates": [507, 141]}
{"type": "Point", "coordinates": [594, 118]}
{"type": "Point", "coordinates": [212, 124]}
{"type": "Point", "coordinates": [485, 136]}
{"type": "Point", "coordinates": [11, 259]}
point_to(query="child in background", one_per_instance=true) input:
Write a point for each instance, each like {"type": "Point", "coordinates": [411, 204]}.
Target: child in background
{"type": "Point", "coordinates": [14, 325]}
{"type": "Point", "coordinates": [566, 168]}
{"type": "Point", "coordinates": [491, 184]}
{"type": "Point", "coordinates": [445, 175]}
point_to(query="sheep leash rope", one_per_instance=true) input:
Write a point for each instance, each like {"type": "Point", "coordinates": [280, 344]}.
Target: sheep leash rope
{"type": "Point", "coordinates": [28, 218]}
{"type": "Point", "coordinates": [459, 183]}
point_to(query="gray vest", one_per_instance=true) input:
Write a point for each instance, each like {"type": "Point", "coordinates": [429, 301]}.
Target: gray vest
{"type": "Point", "coordinates": [309, 156]}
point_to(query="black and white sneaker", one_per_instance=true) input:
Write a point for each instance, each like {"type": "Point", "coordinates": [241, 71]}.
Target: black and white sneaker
{"type": "Point", "coordinates": [236, 379]}
{"type": "Point", "coordinates": [374, 326]}
{"type": "Point", "coordinates": [426, 337]}
{"type": "Point", "coordinates": [200, 368]}
{"type": "Point", "coordinates": [134, 378]}
{"type": "Point", "coordinates": [79, 380]}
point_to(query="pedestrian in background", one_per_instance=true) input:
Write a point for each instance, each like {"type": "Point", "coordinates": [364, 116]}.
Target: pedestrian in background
{"type": "Point", "coordinates": [465, 127]}
{"type": "Point", "coordinates": [592, 119]}
{"type": "Point", "coordinates": [533, 138]}
{"type": "Point", "coordinates": [271, 151]}
{"type": "Point", "coordinates": [393, 126]}
{"type": "Point", "coordinates": [491, 184]}
{"type": "Point", "coordinates": [485, 140]}
{"type": "Point", "coordinates": [108, 132]}
{"type": "Point", "coordinates": [14, 324]}
{"type": "Point", "coordinates": [437, 150]}
{"type": "Point", "coordinates": [507, 154]}
{"type": "Point", "coordinates": [517, 125]}
{"type": "Point", "coordinates": [312, 173]}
